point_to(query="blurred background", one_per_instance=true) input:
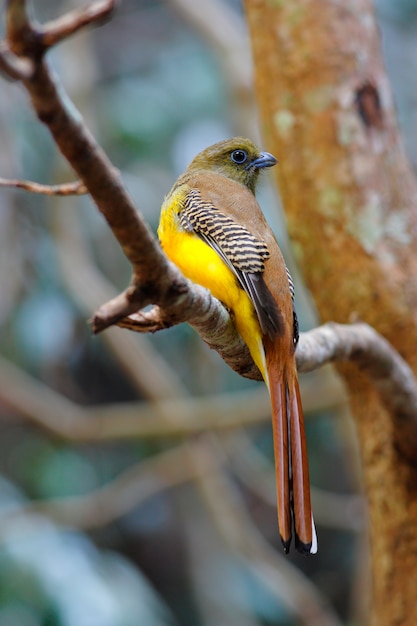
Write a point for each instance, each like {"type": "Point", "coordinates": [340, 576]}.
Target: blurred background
{"type": "Point", "coordinates": [136, 472]}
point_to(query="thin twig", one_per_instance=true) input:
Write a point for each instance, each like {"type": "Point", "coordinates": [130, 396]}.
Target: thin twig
{"type": "Point", "coordinates": [30, 399]}
{"type": "Point", "coordinates": [56, 414]}
{"type": "Point", "coordinates": [76, 188]}
{"type": "Point", "coordinates": [61, 28]}
{"type": "Point", "coordinates": [102, 506]}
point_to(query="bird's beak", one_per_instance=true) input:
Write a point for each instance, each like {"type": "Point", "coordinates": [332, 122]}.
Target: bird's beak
{"type": "Point", "coordinates": [265, 159]}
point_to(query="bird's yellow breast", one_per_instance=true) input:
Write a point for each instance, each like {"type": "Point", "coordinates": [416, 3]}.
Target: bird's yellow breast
{"type": "Point", "coordinates": [202, 265]}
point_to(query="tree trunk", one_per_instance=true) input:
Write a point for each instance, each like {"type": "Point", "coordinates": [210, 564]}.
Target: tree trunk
{"type": "Point", "coordinates": [350, 199]}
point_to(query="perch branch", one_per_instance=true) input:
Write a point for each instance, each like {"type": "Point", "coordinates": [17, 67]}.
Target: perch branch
{"type": "Point", "coordinates": [357, 343]}
{"type": "Point", "coordinates": [368, 350]}
{"type": "Point", "coordinates": [155, 280]}
{"type": "Point", "coordinates": [380, 362]}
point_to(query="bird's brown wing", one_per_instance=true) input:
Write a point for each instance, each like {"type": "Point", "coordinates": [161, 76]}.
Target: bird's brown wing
{"type": "Point", "coordinates": [243, 253]}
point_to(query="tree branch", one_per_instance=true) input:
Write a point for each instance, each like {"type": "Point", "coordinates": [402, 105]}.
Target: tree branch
{"type": "Point", "coordinates": [357, 343]}
{"type": "Point", "coordinates": [75, 188]}
{"type": "Point", "coordinates": [155, 280]}
{"type": "Point", "coordinates": [119, 496]}
{"type": "Point", "coordinates": [360, 344]}
{"type": "Point", "coordinates": [56, 31]}
{"type": "Point", "coordinates": [30, 399]}
{"type": "Point", "coordinates": [380, 362]}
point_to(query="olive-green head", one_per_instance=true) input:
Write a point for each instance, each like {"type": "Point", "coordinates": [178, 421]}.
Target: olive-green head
{"type": "Point", "coordinates": [237, 158]}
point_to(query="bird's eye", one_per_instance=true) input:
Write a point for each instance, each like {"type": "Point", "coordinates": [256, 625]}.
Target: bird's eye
{"type": "Point", "coordinates": [238, 156]}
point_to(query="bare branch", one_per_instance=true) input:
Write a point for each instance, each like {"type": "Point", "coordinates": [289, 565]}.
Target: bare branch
{"type": "Point", "coordinates": [57, 30]}
{"type": "Point", "coordinates": [156, 281]}
{"type": "Point", "coordinates": [329, 343]}
{"type": "Point", "coordinates": [358, 343]}
{"type": "Point", "coordinates": [191, 303]}
{"type": "Point", "coordinates": [97, 173]}
{"type": "Point", "coordinates": [30, 399]}
{"type": "Point", "coordinates": [149, 321]}
{"type": "Point", "coordinates": [375, 356]}
{"type": "Point", "coordinates": [41, 405]}
{"type": "Point", "coordinates": [18, 25]}
{"type": "Point", "coordinates": [122, 494]}
{"type": "Point", "coordinates": [75, 188]}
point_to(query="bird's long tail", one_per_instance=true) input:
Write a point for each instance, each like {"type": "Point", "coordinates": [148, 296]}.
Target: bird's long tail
{"type": "Point", "coordinates": [291, 463]}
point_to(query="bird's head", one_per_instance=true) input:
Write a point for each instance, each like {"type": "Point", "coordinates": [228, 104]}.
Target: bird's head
{"type": "Point", "coordinates": [237, 158]}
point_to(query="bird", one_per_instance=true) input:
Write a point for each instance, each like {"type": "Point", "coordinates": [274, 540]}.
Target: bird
{"type": "Point", "coordinates": [213, 229]}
